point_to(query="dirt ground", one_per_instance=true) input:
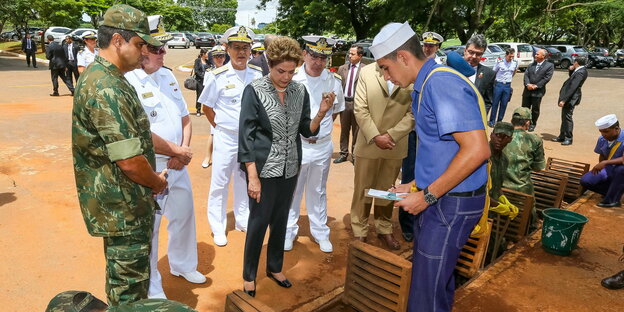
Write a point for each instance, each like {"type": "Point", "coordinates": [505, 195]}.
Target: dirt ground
{"type": "Point", "coordinates": [46, 249]}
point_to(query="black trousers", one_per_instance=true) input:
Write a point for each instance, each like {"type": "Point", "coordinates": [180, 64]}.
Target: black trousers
{"type": "Point", "coordinates": [567, 124]}
{"type": "Point", "coordinates": [406, 219]}
{"type": "Point", "coordinates": [72, 69]}
{"type": "Point", "coordinates": [276, 195]}
{"type": "Point", "coordinates": [532, 102]}
{"type": "Point", "coordinates": [348, 125]}
{"type": "Point", "coordinates": [198, 92]}
{"type": "Point", "coordinates": [60, 72]}
{"type": "Point", "coordinates": [30, 55]}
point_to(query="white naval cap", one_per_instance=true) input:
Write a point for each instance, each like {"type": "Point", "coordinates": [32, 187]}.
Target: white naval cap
{"type": "Point", "coordinates": [431, 37]}
{"type": "Point", "coordinates": [606, 121]}
{"type": "Point", "coordinates": [157, 29]}
{"type": "Point", "coordinates": [239, 34]}
{"type": "Point", "coordinates": [319, 44]}
{"type": "Point", "coordinates": [258, 46]}
{"type": "Point", "coordinates": [389, 38]}
{"type": "Point", "coordinates": [217, 50]}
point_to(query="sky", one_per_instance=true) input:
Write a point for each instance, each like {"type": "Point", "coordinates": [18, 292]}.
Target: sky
{"type": "Point", "coordinates": [247, 10]}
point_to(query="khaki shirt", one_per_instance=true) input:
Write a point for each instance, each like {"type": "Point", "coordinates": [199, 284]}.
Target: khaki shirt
{"type": "Point", "coordinates": [525, 153]}
{"type": "Point", "coordinates": [108, 125]}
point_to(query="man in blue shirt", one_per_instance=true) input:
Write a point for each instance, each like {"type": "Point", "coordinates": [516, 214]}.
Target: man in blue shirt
{"type": "Point", "coordinates": [505, 71]}
{"type": "Point", "coordinates": [607, 177]}
{"type": "Point", "coordinates": [451, 171]}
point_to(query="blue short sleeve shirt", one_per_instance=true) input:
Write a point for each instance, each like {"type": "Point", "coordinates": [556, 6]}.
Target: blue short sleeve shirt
{"type": "Point", "coordinates": [449, 104]}
{"type": "Point", "coordinates": [603, 148]}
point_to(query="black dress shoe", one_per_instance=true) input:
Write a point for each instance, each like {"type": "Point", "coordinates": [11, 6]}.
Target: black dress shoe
{"type": "Point", "coordinates": [531, 128]}
{"type": "Point", "coordinates": [566, 142]}
{"type": "Point", "coordinates": [614, 282]}
{"type": "Point", "coordinates": [54, 94]}
{"type": "Point", "coordinates": [408, 237]}
{"type": "Point", "coordinates": [340, 159]}
{"type": "Point", "coordinates": [250, 292]}
{"type": "Point", "coordinates": [557, 139]}
{"type": "Point", "coordinates": [608, 205]}
{"type": "Point", "coordinates": [285, 283]}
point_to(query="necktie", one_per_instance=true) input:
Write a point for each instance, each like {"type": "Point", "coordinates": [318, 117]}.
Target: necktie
{"type": "Point", "coordinates": [537, 67]}
{"type": "Point", "coordinates": [27, 44]}
{"type": "Point", "coordinates": [69, 52]}
{"type": "Point", "coordinates": [350, 87]}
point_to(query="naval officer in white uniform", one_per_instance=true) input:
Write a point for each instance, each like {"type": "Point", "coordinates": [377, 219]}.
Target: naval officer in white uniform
{"type": "Point", "coordinates": [162, 100]}
{"type": "Point", "coordinates": [316, 151]}
{"type": "Point", "coordinates": [223, 89]}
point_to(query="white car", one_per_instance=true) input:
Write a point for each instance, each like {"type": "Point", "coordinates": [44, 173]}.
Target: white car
{"type": "Point", "coordinates": [524, 52]}
{"type": "Point", "coordinates": [57, 32]}
{"type": "Point", "coordinates": [179, 40]}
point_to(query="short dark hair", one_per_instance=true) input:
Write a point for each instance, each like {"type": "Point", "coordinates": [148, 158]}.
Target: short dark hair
{"type": "Point", "coordinates": [518, 122]}
{"type": "Point", "coordinates": [50, 37]}
{"type": "Point", "coordinates": [412, 45]}
{"type": "Point", "coordinates": [581, 60]}
{"type": "Point", "coordinates": [95, 304]}
{"type": "Point", "coordinates": [105, 34]}
{"type": "Point", "coordinates": [478, 40]}
{"type": "Point", "coordinates": [509, 51]}
{"type": "Point", "coordinates": [360, 49]}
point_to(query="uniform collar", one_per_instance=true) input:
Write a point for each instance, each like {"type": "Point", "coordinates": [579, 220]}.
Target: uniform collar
{"type": "Point", "coordinates": [109, 66]}
{"type": "Point", "coordinates": [324, 74]}
{"type": "Point", "coordinates": [423, 73]}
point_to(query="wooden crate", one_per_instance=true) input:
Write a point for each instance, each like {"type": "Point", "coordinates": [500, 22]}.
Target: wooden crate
{"type": "Point", "coordinates": [574, 170]}
{"type": "Point", "coordinates": [549, 187]}
{"type": "Point", "coordinates": [472, 256]}
{"type": "Point", "coordinates": [377, 280]}
{"type": "Point", "coordinates": [519, 226]}
{"type": "Point", "coordinates": [238, 301]}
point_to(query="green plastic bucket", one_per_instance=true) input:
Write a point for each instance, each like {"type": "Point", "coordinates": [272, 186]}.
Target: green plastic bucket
{"type": "Point", "coordinates": [561, 230]}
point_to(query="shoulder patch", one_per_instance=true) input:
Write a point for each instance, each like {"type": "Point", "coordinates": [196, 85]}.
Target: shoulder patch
{"type": "Point", "coordinates": [252, 66]}
{"type": "Point", "coordinates": [338, 76]}
{"type": "Point", "coordinates": [220, 70]}
{"type": "Point", "coordinates": [167, 68]}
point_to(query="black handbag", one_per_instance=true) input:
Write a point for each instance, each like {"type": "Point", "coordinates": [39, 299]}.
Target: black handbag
{"type": "Point", "coordinates": [190, 82]}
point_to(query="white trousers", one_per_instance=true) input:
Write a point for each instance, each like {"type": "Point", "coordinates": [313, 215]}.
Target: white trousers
{"type": "Point", "coordinates": [225, 166]}
{"type": "Point", "coordinates": [313, 181]}
{"type": "Point", "coordinates": [177, 207]}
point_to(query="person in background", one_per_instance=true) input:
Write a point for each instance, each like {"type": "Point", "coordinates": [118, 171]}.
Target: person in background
{"type": "Point", "coordinates": [431, 44]}
{"type": "Point", "coordinates": [262, 61]}
{"type": "Point", "coordinates": [505, 70]}
{"type": "Point", "coordinates": [275, 114]}
{"type": "Point", "coordinates": [348, 125]}
{"type": "Point", "coordinates": [199, 68]}
{"type": "Point", "coordinates": [90, 51]}
{"type": "Point", "coordinates": [71, 55]}
{"type": "Point", "coordinates": [218, 57]}
{"type": "Point", "coordinates": [570, 96]}
{"type": "Point", "coordinates": [57, 65]}
{"type": "Point", "coordinates": [501, 135]}
{"type": "Point", "coordinates": [484, 76]}
{"type": "Point", "coordinates": [29, 47]}
{"type": "Point", "coordinates": [257, 49]}
{"type": "Point", "coordinates": [536, 76]}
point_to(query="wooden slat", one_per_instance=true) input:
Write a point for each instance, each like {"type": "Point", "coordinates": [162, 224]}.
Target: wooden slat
{"type": "Point", "coordinates": [472, 254]}
{"type": "Point", "coordinates": [574, 170]}
{"type": "Point", "coordinates": [518, 227]}
{"type": "Point", "coordinates": [380, 300]}
{"type": "Point", "coordinates": [392, 296]}
{"type": "Point", "coordinates": [357, 271]}
{"type": "Point", "coordinates": [381, 254]}
{"type": "Point", "coordinates": [389, 267]}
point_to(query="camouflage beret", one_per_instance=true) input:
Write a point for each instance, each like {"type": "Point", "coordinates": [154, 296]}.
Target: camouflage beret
{"type": "Point", "coordinates": [64, 301]}
{"type": "Point", "coordinates": [122, 16]}
{"type": "Point", "coordinates": [152, 305]}
{"type": "Point", "coordinates": [522, 113]}
{"type": "Point", "coordinates": [504, 128]}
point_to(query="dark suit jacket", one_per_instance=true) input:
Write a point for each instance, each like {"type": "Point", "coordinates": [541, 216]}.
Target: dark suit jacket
{"type": "Point", "coordinates": [343, 71]}
{"type": "Point", "coordinates": [570, 92]}
{"type": "Point", "coordinates": [261, 61]}
{"type": "Point", "coordinates": [539, 78]}
{"type": "Point", "coordinates": [485, 83]}
{"type": "Point", "coordinates": [75, 50]}
{"type": "Point", "coordinates": [33, 45]}
{"type": "Point", "coordinates": [54, 53]}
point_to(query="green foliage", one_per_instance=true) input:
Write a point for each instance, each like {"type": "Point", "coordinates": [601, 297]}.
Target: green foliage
{"type": "Point", "coordinates": [206, 13]}
{"type": "Point", "coordinates": [220, 28]}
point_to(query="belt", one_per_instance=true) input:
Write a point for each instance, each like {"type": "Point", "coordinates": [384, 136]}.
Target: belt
{"type": "Point", "coordinates": [348, 99]}
{"type": "Point", "coordinates": [505, 83]}
{"type": "Point", "coordinates": [476, 192]}
{"type": "Point", "coordinates": [316, 141]}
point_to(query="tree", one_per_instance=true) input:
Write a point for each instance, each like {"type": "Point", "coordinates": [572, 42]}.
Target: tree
{"type": "Point", "coordinates": [95, 9]}
{"type": "Point", "coordinates": [209, 12]}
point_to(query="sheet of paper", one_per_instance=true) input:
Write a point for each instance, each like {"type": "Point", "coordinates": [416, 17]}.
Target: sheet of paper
{"type": "Point", "coordinates": [385, 194]}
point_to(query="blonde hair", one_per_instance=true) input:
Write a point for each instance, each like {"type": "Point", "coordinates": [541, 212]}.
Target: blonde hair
{"type": "Point", "coordinates": [283, 49]}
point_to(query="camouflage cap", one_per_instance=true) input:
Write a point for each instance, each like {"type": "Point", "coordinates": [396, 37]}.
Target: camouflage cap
{"type": "Point", "coordinates": [504, 128]}
{"type": "Point", "coordinates": [152, 305]}
{"type": "Point", "coordinates": [522, 113]}
{"type": "Point", "coordinates": [123, 16]}
{"type": "Point", "coordinates": [65, 301]}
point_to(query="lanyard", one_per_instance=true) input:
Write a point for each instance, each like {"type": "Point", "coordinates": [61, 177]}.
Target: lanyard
{"type": "Point", "coordinates": [613, 149]}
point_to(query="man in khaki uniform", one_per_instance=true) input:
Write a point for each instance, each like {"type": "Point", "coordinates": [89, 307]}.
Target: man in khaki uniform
{"type": "Point", "coordinates": [383, 113]}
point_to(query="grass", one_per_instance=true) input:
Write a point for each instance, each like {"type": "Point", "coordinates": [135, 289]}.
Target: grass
{"type": "Point", "coordinates": [450, 42]}
{"type": "Point", "coordinates": [16, 47]}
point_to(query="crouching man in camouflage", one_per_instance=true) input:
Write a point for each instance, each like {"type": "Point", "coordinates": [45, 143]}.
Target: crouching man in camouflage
{"type": "Point", "coordinates": [114, 155]}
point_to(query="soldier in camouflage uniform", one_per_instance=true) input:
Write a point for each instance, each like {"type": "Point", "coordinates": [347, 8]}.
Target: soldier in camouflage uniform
{"type": "Point", "coordinates": [499, 138]}
{"type": "Point", "coordinates": [82, 301]}
{"type": "Point", "coordinates": [525, 153]}
{"type": "Point", "coordinates": [114, 155]}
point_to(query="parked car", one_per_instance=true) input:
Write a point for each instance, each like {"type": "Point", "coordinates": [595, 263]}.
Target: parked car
{"type": "Point", "coordinates": [15, 34]}
{"type": "Point", "coordinates": [492, 54]}
{"type": "Point", "coordinates": [569, 53]}
{"type": "Point", "coordinates": [554, 55]}
{"type": "Point", "coordinates": [205, 39]}
{"type": "Point", "coordinates": [605, 53]}
{"type": "Point", "coordinates": [524, 52]}
{"type": "Point", "coordinates": [179, 40]}
{"type": "Point", "coordinates": [596, 59]}
{"type": "Point", "coordinates": [259, 38]}
{"type": "Point", "coordinates": [190, 37]}
{"type": "Point", "coordinates": [57, 32]}
{"type": "Point", "coordinates": [77, 34]}
{"type": "Point", "coordinates": [619, 57]}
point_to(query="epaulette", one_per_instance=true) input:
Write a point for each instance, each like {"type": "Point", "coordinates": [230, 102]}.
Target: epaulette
{"type": "Point", "coordinates": [338, 76]}
{"type": "Point", "coordinates": [220, 70]}
{"type": "Point", "coordinates": [167, 68]}
{"type": "Point", "coordinates": [256, 67]}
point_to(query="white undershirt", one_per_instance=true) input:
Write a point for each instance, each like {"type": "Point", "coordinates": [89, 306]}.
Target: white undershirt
{"type": "Point", "coordinates": [241, 74]}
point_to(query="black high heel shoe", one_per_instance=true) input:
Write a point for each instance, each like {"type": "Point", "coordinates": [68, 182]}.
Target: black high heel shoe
{"type": "Point", "coordinates": [285, 283]}
{"type": "Point", "coordinates": [250, 292]}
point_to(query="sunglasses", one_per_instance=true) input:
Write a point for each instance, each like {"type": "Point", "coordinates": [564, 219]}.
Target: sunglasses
{"type": "Point", "coordinates": [156, 50]}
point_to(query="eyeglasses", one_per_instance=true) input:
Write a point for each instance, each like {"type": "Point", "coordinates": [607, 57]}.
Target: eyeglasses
{"type": "Point", "coordinates": [318, 57]}
{"type": "Point", "coordinates": [156, 50]}
{"type": "Point", "coordinates": [475, 53]}
{"type": "Point", "coordinates": [241, 48]}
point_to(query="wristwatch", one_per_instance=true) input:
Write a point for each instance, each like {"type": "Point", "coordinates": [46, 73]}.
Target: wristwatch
{"type": "Point", "coordinates": [429, 198]}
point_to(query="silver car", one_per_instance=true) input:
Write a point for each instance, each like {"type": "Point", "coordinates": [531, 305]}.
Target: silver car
{"type": "Point", "coordinates": [179, 40]}
{"type": "Point", "coordinates": [492, 54]}
{"type": "Point", "coordinates": [569, 53]}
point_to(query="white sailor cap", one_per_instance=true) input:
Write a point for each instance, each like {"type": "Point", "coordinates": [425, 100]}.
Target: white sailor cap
{"type": "Point", "coordinates": [389, 38]}
{"type": "Point", "coordinates": [157, 29]}
{"type": "Point", "coordinates": [217, 50]}
{"type": "Point", "coordinates": [239, 34]}
{"type": "Point", "coordinates": [431, 37]}
{"type": "Point", "coordinates": [319, 44]}
{"type": "Point", "coordinates": [606, 121]}
{"type": "Point", "coordinates": [258, 46]}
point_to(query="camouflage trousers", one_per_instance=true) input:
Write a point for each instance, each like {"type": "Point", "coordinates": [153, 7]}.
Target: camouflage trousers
{"type": "Point", "coordinates": [127, 266]}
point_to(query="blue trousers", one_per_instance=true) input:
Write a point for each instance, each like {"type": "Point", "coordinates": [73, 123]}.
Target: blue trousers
{"type": "Point", "coordinates": [440, 232]}
{"type": "Point", "coordinates": [608, 182]}
{"type": "Point", "coordinates": [406, 219]}
{"type": "Point", "coordinates": [502, 94]}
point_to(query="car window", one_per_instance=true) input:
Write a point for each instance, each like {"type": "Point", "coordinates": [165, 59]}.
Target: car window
{"type": "Point", "coordinates": [494, 48]}
{"type": "Point", "coordinates": [504, 46]}
{"type": "Point", "coordinates": [552, 50]}
{"type": "Point", "coordinates": [524, 48]}
{"type": "Point", "coordinates": [178, 35]}
{"type": "Point", "coordinates": [561, 49]}
{"type": "Point", "coordinates": [579, 49]}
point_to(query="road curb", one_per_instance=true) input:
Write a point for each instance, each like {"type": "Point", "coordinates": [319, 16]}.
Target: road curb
{"type": "Point", "coordinates": [22, 56]}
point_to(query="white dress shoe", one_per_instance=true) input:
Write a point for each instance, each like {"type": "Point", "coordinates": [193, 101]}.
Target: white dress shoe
{"type": "Point", "coordinates": [193, 277]}
{"type": "Point", "coordinates": [326, 245]}
{"type": "Point", "coordinates": [288, 244]}
{"type": "Point", "coordinates": [220, 240]}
